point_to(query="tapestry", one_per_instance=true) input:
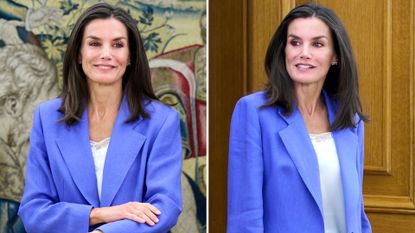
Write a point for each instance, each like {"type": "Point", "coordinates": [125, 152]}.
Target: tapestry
{"type": "Point", "coordinates": [33, 37]}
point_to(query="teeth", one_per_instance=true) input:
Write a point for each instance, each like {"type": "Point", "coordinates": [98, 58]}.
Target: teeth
{"type": "Point", "coordinates": [304, 66]}
{"type": "Point", "coordinates": [104, 66]}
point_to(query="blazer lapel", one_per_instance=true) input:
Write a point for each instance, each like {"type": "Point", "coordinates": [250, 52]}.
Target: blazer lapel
{"type": "Point", "coordinates": [298, 144]}
{"type": "Point", "coordinates": [346, 146]}
{"type": "Point", "coordinates": [125, 144]}
{"type": "Point", "coordinates": [76, 151]}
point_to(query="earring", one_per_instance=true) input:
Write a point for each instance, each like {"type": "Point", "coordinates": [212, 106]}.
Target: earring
{"type": "Point", "coordinates": [334, 63]}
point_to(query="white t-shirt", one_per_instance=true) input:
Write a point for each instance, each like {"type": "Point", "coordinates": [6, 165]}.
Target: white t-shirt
{"type": "Point", "coordinates": [99, 152]}
{"type": "Point", "coordinates": [331, 183]}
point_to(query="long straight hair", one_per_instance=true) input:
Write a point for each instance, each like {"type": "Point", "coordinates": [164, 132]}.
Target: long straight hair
{"type": "Point", "coordinates": [341, 82]}
{"type": "Point", "coordinates": [136, 83]}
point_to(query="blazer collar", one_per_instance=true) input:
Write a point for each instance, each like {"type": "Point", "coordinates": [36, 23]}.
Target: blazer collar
{"type": "Point", "coordinates": [298, 144]}
{"type": "Point", "coordinates": [124, 146]}
{"type": "Point", "coordinates": [76, 151]}
{"type": "Point", "coordinates": [296, 139]}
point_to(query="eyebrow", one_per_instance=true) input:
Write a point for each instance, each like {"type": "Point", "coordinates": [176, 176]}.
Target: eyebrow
{"type": "Point", "coordinates": [314, 38]}
{"type": "Point", "coordinates": [115, 39]}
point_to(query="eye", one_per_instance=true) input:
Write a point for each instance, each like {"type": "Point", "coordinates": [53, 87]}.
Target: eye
{"type": "Point", "coordinates": [318, 44]}
{"type": "Point", "coordinates": [295, 42]}
{"type": "Point", "coordinates": [118, 45]}
{"type": "Point", "coordinates": [94, 43]}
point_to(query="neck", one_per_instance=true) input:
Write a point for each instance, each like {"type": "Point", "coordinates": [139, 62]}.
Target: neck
{"type": "Point", "coordinates": [103, 99]}
{"type": "Point", "coordinates": [309, 98]}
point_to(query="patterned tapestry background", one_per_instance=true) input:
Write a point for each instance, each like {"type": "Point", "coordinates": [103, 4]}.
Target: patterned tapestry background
{"type": "Point", "coordinates": [33, 36]}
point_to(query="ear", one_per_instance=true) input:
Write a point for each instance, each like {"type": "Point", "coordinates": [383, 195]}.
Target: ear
{"type": "Point", "coordinates": [334, 60]}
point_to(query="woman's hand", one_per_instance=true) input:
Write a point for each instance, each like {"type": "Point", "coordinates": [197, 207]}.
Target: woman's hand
{"type": "Point", "coordinates": [136, 211]}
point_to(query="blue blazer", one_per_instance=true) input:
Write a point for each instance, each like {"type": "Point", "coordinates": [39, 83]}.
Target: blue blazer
{"type": "Point", "coordinates": [274, 181]}
{"type": "Point", "coordinates": [143, 164]}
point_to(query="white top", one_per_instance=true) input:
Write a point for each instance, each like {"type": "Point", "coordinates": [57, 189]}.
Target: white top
{"type": "Point", "coordinates": [331, 183]}
{"type": "Point", "coordinates": [99, 152]}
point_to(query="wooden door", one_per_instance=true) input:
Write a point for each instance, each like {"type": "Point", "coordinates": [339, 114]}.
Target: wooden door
{"type": "Point", "coordinates": [383, 38]}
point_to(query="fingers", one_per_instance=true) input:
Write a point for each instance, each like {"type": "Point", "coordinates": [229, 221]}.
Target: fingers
{"type": "Point", "coordinates": [146, 212]}
{"type": "Point", "coordinates": [135, 218]}
{"type": "Point", "coordinates": [143, 213]}
{"type": "Point", "coordinates": [149, 218]}
{"type": "Point", "coordinates": [152, 208]}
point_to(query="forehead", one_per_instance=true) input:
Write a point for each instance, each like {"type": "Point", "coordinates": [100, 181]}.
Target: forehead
{"type": "Point", "coordinates": [308, 27]}
{"type": "Point", "coordinates": [103, 28]}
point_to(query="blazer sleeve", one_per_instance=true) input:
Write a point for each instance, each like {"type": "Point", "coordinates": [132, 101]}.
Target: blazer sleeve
{"type": "Point", "coordinates": [366, 228]}
{"type": "Point", "coordinates": [40, 208]}
{"type": "Point", "coordinates": [163, 188]}
{"type": "Point", "coordinates": [245, 170]}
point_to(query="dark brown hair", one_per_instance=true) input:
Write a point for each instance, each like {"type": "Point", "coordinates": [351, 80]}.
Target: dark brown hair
{"type": "Point", "coordinates": [136, 80]}
{"type": "Point", "coordinates": [341, 83]}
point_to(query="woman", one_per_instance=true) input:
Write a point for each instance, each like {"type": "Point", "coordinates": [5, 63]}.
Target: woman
{"type": "Point", "coordinates": [296, 149]}
{"type": "Point", "coordinates": [106, 155]}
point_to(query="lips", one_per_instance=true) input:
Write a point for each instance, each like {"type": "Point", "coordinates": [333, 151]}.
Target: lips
{"type": "Point", "coordinates": [304, 66]}
{"type": "Point", "coordinates": [104, 66]}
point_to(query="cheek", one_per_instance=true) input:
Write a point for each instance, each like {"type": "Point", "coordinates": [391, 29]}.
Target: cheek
{"type": "Point", "coordinates": [289, 58]}
{"type": "Point", "coordinates": [328, 56]}
{"type": "Point", "coordinates": [125, 60]}
{"type": "Point", "coordinates": [122, 58]}
{"type": "Point", "coordinates": [85, 69]}
{"type": "Point", "coordinates": [290, 55]}
{"type": "Point", "coordinates": [288, 65]}
{"type": "Point", "coordinates": [126, 57]}
{"type": "Point", "coordinates": [85, 56]}
{"type": "Point", "coordinates": [327, 59]}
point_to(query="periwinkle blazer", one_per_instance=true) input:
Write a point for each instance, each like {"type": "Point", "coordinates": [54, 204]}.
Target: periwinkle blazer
{"type": "Point", "coordinates": [274, 183]}
{"type": "Point", "coordinates": [143, 164]}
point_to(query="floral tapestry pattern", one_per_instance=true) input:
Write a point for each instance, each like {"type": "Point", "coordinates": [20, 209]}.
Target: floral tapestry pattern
{"type": "Point", "coordinates": [33, 37]}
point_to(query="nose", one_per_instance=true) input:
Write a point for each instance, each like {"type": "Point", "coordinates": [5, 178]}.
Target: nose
{"type": "Point", "coordinates": [305, 52]}
{"type": "Point", "coordinates": [106, 53]}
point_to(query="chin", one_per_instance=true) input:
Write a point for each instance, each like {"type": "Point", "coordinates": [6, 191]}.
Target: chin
{"type": "Point", "coordinates": [104, 80]}
{"type": "Point", "coordinates": [305, 80]}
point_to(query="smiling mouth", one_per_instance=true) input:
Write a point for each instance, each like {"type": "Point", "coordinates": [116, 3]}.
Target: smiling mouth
{"type": "Point", "coordinates": [104, 67]}
{"type": "Point", "coordinates": [304, 66]}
